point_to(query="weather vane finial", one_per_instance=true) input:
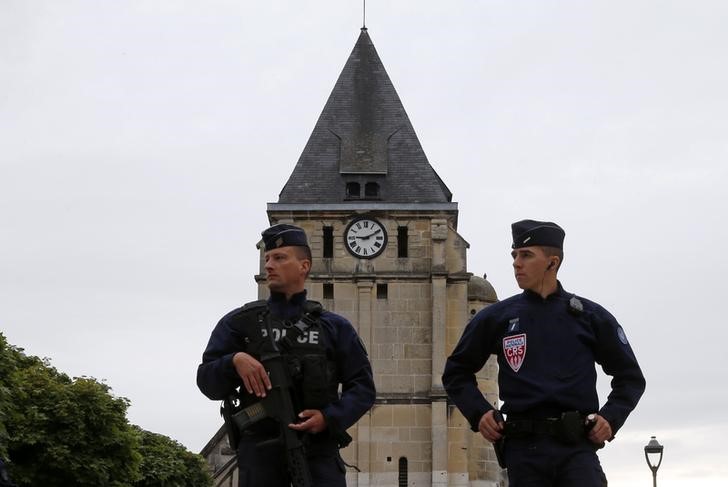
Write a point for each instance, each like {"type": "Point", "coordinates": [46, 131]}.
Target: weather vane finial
{"type": "Point", "coordinates": [364, 16]}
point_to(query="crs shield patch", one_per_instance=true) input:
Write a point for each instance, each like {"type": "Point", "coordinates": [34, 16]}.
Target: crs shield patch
{"type": "Point", "coordinates": [514, 350]}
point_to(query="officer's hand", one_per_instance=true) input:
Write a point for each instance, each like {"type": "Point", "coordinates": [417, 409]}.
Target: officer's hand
{"type": "Point", "coordinates": [314, 421]}
{"type": "Point", "coordinates": [255, 378]}
{"type": "Point", "coordinates": [490, 428]}
{"type": "Point", "coordinates": [601, 431]}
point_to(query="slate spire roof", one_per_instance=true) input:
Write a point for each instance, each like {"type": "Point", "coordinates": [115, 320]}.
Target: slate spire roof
{"type": "Point", "coordinates": [363, 139]}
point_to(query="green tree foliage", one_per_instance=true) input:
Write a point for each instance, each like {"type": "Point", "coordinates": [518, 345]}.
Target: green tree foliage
{"type": "Point", "coordinates": [62, 431]}
{"type": "Point", "coordinates": [7, 366]}
{"type": "Point", "coordinates": [167, 463]}
{"type": "Point", "coordinates": [59, 431]}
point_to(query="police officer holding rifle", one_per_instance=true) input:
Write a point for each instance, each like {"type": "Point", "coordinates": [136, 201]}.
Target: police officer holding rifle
{"type": "Point", "coordinates": [278, 365]}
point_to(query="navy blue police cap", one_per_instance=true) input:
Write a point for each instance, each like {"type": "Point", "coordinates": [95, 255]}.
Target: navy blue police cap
{"type": "Point", "coordinates": [527, 233]}
{"type": "Point", "coordinates": [284, 235]}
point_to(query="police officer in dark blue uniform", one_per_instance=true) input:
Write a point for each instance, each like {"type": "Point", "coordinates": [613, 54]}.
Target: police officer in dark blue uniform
{"type": "Point", "coordinates": [547, 342]}
{"type": "Point", "coordinates": [328, 354]}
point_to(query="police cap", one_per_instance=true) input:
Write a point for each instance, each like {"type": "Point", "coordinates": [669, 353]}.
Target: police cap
{"type": "Point", "coordinates": [527, 233]}
{"type": "Point", "coordinates": [283, 235]}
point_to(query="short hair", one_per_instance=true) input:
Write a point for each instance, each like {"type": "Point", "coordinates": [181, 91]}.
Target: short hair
{"type": "Point", "coordinates": [554, 252]}
{"type": "Point", "coordinates": [303, 252]}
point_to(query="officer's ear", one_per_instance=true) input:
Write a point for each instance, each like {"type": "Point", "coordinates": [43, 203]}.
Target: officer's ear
{"type": "Point", "coordinates": [304, 259]}
{"type": "Point", "coordinates": [305, 266]}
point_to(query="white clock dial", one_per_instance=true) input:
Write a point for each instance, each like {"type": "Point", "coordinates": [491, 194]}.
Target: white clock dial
{"type": "Point", "coordinates": [365, 238]}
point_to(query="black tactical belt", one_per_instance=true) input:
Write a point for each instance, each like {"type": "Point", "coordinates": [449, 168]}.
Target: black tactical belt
{"type": "Point", "coordinates": [519, 428]}
{"type": "Point", "coordinates": [570, 428]}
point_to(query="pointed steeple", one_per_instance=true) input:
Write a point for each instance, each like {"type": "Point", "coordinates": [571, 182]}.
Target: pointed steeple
{"type": "Point", "coordinates": [363, 146]}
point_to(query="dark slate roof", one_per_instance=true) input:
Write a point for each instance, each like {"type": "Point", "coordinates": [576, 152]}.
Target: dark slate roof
{"type": "Point", "coordinates": [364, 135]}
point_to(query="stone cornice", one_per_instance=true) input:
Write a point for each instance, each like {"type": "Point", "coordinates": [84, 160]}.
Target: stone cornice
{"type": "Point", "coordinates": [360, 206]}
{"type": "Point", "coordinates": [390, 276]}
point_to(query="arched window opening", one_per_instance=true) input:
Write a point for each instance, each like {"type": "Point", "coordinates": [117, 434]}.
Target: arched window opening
{"type": "Point", "coordinates": [402, 471]}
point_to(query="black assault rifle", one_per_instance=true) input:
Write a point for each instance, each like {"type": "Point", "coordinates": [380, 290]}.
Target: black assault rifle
{"type": "Point", "coordinates": [277, 405]}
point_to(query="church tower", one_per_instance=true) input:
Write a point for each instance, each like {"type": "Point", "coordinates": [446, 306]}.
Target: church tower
{"type": "Point", "coordinates": [382, 228]}
{"type": "Point", "coordinates": [386, 255]}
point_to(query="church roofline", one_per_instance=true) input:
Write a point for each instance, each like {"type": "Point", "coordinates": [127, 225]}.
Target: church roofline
{"type": "Point", "coordinates": [214, 441]}
{"type": "Point", "coordinates": [363, 138]}
{"type": "Point", "coordinates": [362, 206]}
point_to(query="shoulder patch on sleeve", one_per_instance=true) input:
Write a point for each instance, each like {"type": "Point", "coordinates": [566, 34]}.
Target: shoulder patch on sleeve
{"type": "Point", "coordinates": [621, 335]}
{"type": "Point", "coordinates": [576, 307]}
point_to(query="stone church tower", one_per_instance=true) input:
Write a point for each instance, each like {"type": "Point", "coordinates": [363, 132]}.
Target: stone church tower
{"type": "Point", "coordinates": [386, 255]}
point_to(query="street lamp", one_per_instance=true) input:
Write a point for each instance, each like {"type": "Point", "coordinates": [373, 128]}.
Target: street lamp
{"type": "Point", "coordinates": [652, 450]}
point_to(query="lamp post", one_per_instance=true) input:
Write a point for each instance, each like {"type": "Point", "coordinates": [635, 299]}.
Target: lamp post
{"type": "Point", "coordinates": [652, 450]}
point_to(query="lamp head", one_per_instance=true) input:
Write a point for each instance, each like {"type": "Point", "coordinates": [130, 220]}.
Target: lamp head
{"type": "Point", "coordinates": [652, 449]}
{"type": "Point", "coordinates": [653, 446]}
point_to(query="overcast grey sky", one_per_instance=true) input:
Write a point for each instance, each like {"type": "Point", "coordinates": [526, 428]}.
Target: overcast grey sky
{"type": "Point", "coordinates": [141, 140]}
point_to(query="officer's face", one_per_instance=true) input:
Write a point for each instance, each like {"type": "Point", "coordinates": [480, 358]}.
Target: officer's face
{"type": "Point", "coordinates": [530, 265]}
{"type": "Point", "coordinates": [286, 269]}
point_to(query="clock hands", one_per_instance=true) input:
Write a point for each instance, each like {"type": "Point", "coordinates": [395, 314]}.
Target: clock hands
{"type": "Point", "coordinates": [368, 236]}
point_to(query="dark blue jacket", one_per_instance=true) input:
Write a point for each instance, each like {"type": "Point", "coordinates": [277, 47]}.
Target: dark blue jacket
{"type": "Point", "coordinates": [217, 377]}
{"type": "Point", "coordinates": [546, 350]}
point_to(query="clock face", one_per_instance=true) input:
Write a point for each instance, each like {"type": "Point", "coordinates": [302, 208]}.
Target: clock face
{"type": "Point", "coordinates": [365, 238]}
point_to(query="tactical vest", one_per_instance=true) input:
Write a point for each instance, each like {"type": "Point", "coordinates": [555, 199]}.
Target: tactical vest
{"type": "Point", "coordinates": [302, 343]}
